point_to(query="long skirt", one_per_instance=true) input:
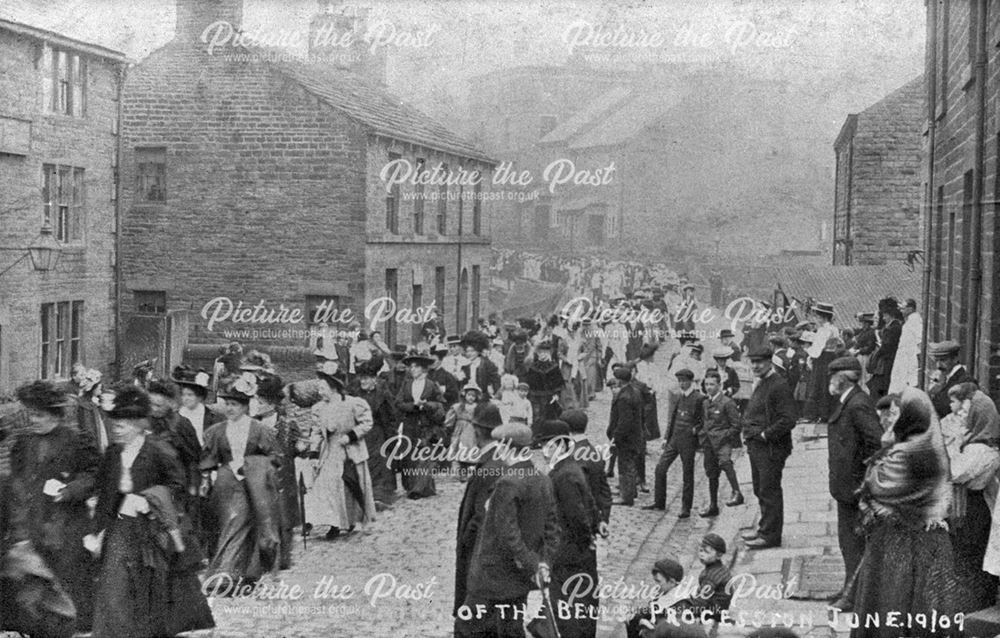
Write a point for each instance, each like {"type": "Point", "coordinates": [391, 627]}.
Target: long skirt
{"type": "Point", "coordinates": [969, 537]}
{"type": "Point", "coordinates": [907, 571]}
{"type": "Point", "coordinates": [139, 601]}
{"type": "Point", "coordinates": [338, 498]}
{"type": "Point", "coordinates": [236, 554]}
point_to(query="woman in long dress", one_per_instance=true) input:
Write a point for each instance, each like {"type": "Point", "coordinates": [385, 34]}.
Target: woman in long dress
{"type": "Point", "coordinates": [244, 456]}
{"type": "Point", "coordinates": [136, 531]}
{"type": "Point", "coordinates": [908, 566]}
{"type": "Point", "coordinates": [341, 496]}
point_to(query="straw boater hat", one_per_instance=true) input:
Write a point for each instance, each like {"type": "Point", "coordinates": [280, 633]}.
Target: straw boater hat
{"type": "Point", "coordinates": [823, 308]}
{"type": "Point", "coordinates": [722, 353]}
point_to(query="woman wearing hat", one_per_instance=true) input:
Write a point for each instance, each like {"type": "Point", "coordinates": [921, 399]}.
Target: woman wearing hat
{"type": "Point", "coordinates": [242, 454]}
{"type": "Point", "coordinates": [341, 496]}
{"type": "Point", "coordinates": [137, 482]}
{"type": "Point", "coordinates": [888, 331]}
{"type": "Point", "coordinates": [384, 423]}
{"type": "Point", "coordinates": [421, 407]}
{"type": "Point", "coordinates": [86, 384]}
{"type": "Point", "coordinates": [52, 469]}
{"type": "Point", "coordinates": [458, 423]}
{"type": "Point", "coordinates": [820, 357]}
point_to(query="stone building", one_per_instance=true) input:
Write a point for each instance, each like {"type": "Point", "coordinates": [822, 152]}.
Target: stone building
{"type": "Point", "coordinates": [876, 217]}
{"type": "Point", "coordinates": [59, 106]}
{"type": "Point", "coordinates": [255, 176]}
{"type": "Point", "coordinates": [961, 183]}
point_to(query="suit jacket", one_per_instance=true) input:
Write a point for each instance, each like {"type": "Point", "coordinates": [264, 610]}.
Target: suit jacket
{"type": "Point", "coordinates": [471, 513]}
{"type": "Point", "coordinates": [520, 530]}
{"type": "Point", "coordinates": [939, 392]}
{"type": "Point", "coordinates": [419, 420]}
{"type": "Point", "coordinates": [156, 464]}
{"type": "Point", "coordinates": [854, 435]}
{"type": "Point", "coordinates": [771, 412]}
{"type": "Point", "coordinates": [592, 464]}
{"type": "Point", "coordinates": [625, 423]}
{"type": "Point", "coordinates": [487, 376]}
{"type": "Point", "coordinates": [721, 421]}
{"type": "Point", "coordinates": [695, 403]}
{"type": "Point", "coordinates": [578, 515]}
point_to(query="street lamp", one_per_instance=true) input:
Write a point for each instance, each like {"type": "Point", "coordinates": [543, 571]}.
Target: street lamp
{"type": "Point", "coordinates": [44, 253]}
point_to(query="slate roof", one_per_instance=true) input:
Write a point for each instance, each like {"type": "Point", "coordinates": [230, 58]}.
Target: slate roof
{"type": "Point", "coordinates": [18, 19]}
{"type": "Point", "coordinates": [582, 117]}
{"type": "Point", "coordinates": [851, 289]}
{"type": "Point", "coordinates": [376, 108]}
{"type": "Point", "coordinates": [630, 119]}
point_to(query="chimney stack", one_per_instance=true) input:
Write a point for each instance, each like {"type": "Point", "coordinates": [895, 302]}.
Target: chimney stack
{"type": "Point", "coordinates": [327, 29]}
{"type": "Point", "coordinates": [194, 16]}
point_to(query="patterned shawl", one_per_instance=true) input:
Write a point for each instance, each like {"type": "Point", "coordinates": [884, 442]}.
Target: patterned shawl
{"type": "Point", "coordinates": [910, 481]}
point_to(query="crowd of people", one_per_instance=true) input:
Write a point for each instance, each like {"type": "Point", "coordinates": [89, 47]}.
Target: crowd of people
{"type": "Point", "coordinates": [127, 504]}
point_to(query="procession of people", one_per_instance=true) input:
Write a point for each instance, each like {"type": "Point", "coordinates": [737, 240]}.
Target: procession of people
{"type": "Point", "coordinates": [138, 500]}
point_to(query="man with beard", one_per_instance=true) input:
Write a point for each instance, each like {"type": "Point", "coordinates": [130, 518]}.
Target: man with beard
{"type": "Point", "coordinates": [576, 555]}
{"type": "Point", "coordinates": [950, 373]}
{"type": "Point", "coordinates": [384, 428]}
{"type": "Point", "coordinates": [513, 552]}
{"type": "Point", "coordinates": [545, 382]}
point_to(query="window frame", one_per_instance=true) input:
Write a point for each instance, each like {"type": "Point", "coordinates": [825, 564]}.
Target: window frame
{"type": "Point", "coordinates": [158, 175]}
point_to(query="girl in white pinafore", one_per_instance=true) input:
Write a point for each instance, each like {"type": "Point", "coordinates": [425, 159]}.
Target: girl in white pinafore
{"type": "Point", "coordinates": [341, 495]}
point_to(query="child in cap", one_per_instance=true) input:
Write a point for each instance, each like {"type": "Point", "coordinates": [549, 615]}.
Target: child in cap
{"type": "Point", "coordinates": [711, 594]}
{"type": "Point", "coordinates": [664, 616]}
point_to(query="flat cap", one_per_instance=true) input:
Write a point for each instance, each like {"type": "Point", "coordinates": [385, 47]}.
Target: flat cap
{"type": "Point", "coordinates": [715, 542]}
{"type": "Point", "coordinates": [684, 373]}
{"type": "Point", "coordinates": [943, 348]}
{"type": "Point", "coordinates": [669, 568]}
{"type": "Point", "coordinates": [845, 364]}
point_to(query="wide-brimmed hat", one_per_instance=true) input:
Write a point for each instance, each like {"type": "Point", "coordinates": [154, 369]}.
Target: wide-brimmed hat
{"type": "Point", "coordinates": [419, 359]}
{"type": "Point", "coordinates": [270, 388]}
{"type": "Point", "coordinates": [43, 395]}
{"type": "Point", "coordinates": [186, 376]}
{"type": "Point", "coordinates": [242, 389]}
{"type": "Point", "coordinates": [125, 401]}
{"type": "Point", "coordinates": [477, 340]}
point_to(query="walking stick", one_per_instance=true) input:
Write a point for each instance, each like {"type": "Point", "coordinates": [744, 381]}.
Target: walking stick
{"type": "Point", "coordinates": [550, 610]}
{"type": "Point", "coordinates": [302, 509]}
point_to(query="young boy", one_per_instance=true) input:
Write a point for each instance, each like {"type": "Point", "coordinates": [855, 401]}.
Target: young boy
{"type": "Point", "coordinates": [721, 428]}
{"type": "Point", "coordinates": [663, 617]}
{"type": "Point", "coordinates": [711, 594]}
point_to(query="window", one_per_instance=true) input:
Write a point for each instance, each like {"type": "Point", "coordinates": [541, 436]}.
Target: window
{"type": "Point", "coordinates": [417, 300]}
{"type": "Point", "coordinates": [152, 302]}
{"type": "Point", "coordinates": [392, 292]}
{"type": "Point", "coordinates": [62, 199]}
{"type": "Point", "coordinates": [151, 174]}
{"type": "Point", "coordinates": [418, 200]}
{"type": "Point", "coordinates": [61, 343]}
{"type": "Point", "coordinates": [439, 274]}
{"type": "Point", "coordinates": [477, 206]}
{"type": "Point", "coordinates": [545, 125]}
{"type": "Point", "coordinates": [65, 82]}
{"type": "Point", "coordinates": [476, 283]}
{"type": "Point", "coordinates": [942, 58]}
{"type": "Point", "coordinates": [442, 225]}
{"type": "Point", "coordinates": [392, 203]}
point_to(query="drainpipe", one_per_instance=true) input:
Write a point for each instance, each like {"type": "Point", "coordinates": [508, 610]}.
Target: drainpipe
{"type": "Point", "coordinates": [930, 77]}
{"type": "Point", "coordinates": [122, 71]}
{"type": "Point", "coordinates": [978, 185]}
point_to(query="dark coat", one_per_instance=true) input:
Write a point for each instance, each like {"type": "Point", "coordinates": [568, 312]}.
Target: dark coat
{"type": "Point", "coordinates": [695, 403]}
{"type": "Point", "coordinates": [217, 451]}
{"type": "Point", "coordinates": [544, 379]}
{"type": "Point", "coordinates": [449, 384]}
{"type": "Point", "coordinates": [593, 465]}
{"type": "Point", "coordinates": [420, 421]}
{"type": "Point", "coordinates": [578, 515]}
{"type": "Point", "coordinates": [177, 432]}
{"type": "Point", "coordinates": [520, 530]}
{"type": "Point", "coordinates": [470, 516]}
{"type": "Point", "coordinates": [730, 381]}
{"type": "Point", "coordinates": [881, 360]}
{"type": "Point", "coordinates": [156, 464]}
{"type": "Point", "coordinates": [625, 423]}
{"type": "Point", "coordinates": [487, 376]}
{"type": "Point", "coordinates": [771, 412]}
{"type": "Point", "coordinates": [939, 392]}
{"type": "Point", "coordinates": [864, 341]}
{"type": "Point", "coordinates": [854, 435]}
{"type": "Point", "coordinates": [721, 421]}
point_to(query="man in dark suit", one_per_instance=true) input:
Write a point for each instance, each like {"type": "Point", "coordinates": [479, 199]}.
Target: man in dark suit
{"type": "Point", "coordinates": [854, 436]}
{"type": "Point", "coordinates": [946, 359]}
{"type": "Point", "coordinates": [625, 429]}
{"type": "Point", "coordinates": [479, 368]}
{"type": "Point", "coordinates": [767, 429]}
{"type": "Point", "coordinates": [591, 461]}
{"type": "Point", "coordinates": [513, 553]}
{"type": "Point", "coordinates": [686, 423]}
{"type": "Point", "coordinates": [579, 521]}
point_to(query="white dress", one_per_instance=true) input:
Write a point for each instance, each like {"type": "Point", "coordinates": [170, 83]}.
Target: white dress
{"type": "Point", "coordinates": [328, 501]}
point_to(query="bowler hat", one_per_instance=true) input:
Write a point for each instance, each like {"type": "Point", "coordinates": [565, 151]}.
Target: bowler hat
{"type": "Point", "coordinates": [760, 353]}
{"type": "Point", "coordinates": [487, 416]}
{"type": "Point", "coordinates": [943, 348]}
{"type": "Point", "coordinates": [726, 332]}
{"type": "Point", "coordinates": [684, 373]}
{"type": "Point", "coordinates": [714, 541]}
{"type": "Point", "coordinates": [575, 419]}
{"type": "Point", "coordinates": [550, 429]}
{"type": "Point", "coordinates": [845, 364]}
